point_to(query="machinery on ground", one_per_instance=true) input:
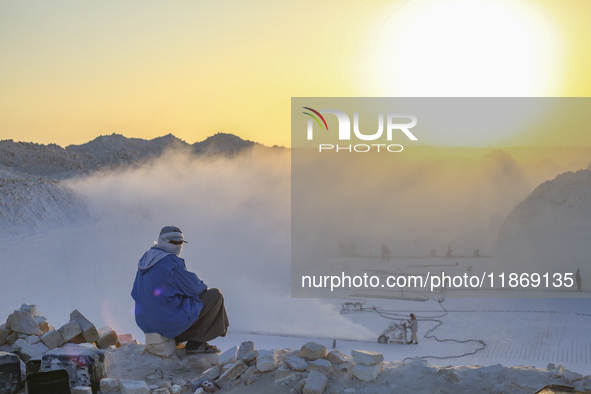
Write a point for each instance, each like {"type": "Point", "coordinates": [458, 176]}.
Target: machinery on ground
{"type": "Point", "coordinates": [395, 333]}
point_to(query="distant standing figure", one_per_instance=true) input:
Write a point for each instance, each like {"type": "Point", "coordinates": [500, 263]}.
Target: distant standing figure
{"type": "Point", "coordinates": [449, 252]}
{"type": "Point", "coordinates": [385, 252]}
{"type": "Point", "coordinates": [433, 251]}
{"type": "Point", "coordinates": [579, 280]}
{"type": "Point", "coordinates": [414, 327]}
{"type": "Point", "coordinates": [477, 253]}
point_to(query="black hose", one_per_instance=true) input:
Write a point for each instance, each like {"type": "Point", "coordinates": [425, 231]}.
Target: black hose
{"type": "Point", "coordinates": [428, 334]}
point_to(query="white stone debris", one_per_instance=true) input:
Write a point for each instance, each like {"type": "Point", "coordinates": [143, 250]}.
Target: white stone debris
{"type": "Point", "coordinates": [287, 375]}
{"type": "Point", "coordinates": [296, 363]}
{"type": "Point", "coordinates": [81, 390]}
{"type": "Point", "coordinates": [367, 373]}
{"type": "Point", "coordinates": [229, 356]}
{"type": "Point", "coordinates": [126, 339]}
{"type": "Point", "coordinates": [109, 385]}
{"type": "Point", "coordinates": [89, 331]}
{"type": "Point", "coordinates": [133, 387]}
{"type": "Point", "coordinates": [250, 372]}
{"type": "Point", "coordinates": [336, 357]}
{"type": "Point", "coordinates": [315, 383]}
{"type": "Point", "coordinates": [28, 351]}
{"type": "Point", "coordinates": [209, 374]}
{"type": "Point", "coordinates": [4, 333]}
{"type": "Point", "coordinates": [32, 339]}
{"type": "Point", "coordinates": [43, 323]}
{"type": "Point", "coordinates": [176, 389]}
{"type": "Point", "coordinates": [313, 351]}
{"type": "Point", "coordinates": [231, 374]}
{"type": "Point", "coordinates": [161, 391]}
{"type": "Point", "coordinates": [267, 360]}
{"type": "Point", "coordinates": [108, 337]}
{"type": "Point", "coordinates": [246, 350]}
{"type": "Point", "coordinates": [367, 357]}
{"type": "Point", "coordinates": [32, 309]}
{"type": "Point", "coordinates": [70, 330]}
{"type": "Point", "coordinates": [52, 339]}
{"type": "Point", "coordinates": [321, 365]}
{"type": "Point", "coordinates": [23, 323]}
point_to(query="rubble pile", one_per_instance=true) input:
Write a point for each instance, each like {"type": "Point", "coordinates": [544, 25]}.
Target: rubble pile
{"type": "Point", "coordinates": [308, 370]}
{"type": "Point", "coordinates": [29, 334]}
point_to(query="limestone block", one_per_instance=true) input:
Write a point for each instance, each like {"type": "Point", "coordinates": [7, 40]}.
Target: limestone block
{"type": "Point", "coordinates": [43, 323]}
{"type": "Point", "coordinates": [267, 361]}
{"type": "Point", "coordinates": [166, 384]}
{"type": "Point", "coordinates": [28, 351]}
{"type": "Point", "coordinates": [81, 390]}
{"type": "Point", "coordinates": [176, 389]}
{"type": "Point", "coordinates": [11, 339]}
{"type": "Point", "coordinates": [107, 337]}
{"type": "Point", "coordinates": [315, 383]}
{"type": "Point", "coordinates": [245, 347]}
{"type": "Point", "coordinates": [133, 387]}
{"type": "Point", "coordinates": [367, 373]}
{"type": "Point", "coordinates": [126, 339]}
{"type": "Point", "coordinates": [250, 372]}
{"type": "Point", "coordinates": [70, 330]}
{"type": "Point", "coordinates": [89, 331]}
{"type": "Point", "coordinates": [4, 333]}
{"type": "Point", "coordinates": [229, 356]}
{"type": "Point", "coordinates": [287, 376]}
{"type": "Point", "coordinates": [23, 323]}
{"type": "Point", "coordinates": [161, 391]}
{"type": "Point", "coordinates": [250, 356]}
{"type": "Point", "coordinates": [32, 339]}
{"type": "Point", "coordinates": [109, 385]}
{"type": "Point", "coordinates": [153, 338]}
{"type": "Point", "coordinates": [32, 309]}
{"type": "Point", "coordinates": [199, 391]}
{"type": "Point", "coordinates": [164, 349]}
{"type": "Point", "coordinates": [232, 374]}
{"type": "Point", "coordinates": [336, 357]}
{"type": "Point", "coordinates": [313, 351]}
{"type": "Point", "coordinates": [209, 374]}
{"type": "Point", "coordinates": [321, 365]}
{"type": "Point", "coordinates": [367, 357]}
{"type": "Point", "coordinates": [296, 363]}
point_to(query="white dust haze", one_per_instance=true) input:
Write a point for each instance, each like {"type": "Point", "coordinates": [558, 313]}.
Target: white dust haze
{"type": "Point", "coordinates": [235, 213]}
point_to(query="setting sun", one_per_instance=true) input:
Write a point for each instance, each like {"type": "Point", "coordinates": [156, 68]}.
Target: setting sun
{"type": "Point", "coordinates": [467, 48]}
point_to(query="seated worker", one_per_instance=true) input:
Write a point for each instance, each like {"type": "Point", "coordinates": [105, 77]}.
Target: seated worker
{"type": "Point", "coordinates": [174, 302]}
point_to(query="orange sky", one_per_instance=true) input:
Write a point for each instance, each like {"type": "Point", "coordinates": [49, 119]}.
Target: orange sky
{"type": "Point", "coordinates": [71, 71]}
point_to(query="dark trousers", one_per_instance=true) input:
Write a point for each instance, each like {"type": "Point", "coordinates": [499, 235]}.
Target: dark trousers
{"type": "Point", "coordinates": [212, 321]}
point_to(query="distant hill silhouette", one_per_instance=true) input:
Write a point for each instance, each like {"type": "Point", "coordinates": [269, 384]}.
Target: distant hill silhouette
{"type": "Point", "coordinates": [108, 151]}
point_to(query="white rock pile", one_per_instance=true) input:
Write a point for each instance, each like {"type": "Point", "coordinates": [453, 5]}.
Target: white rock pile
{"type": "Point", "coordinates": [29, 334]}
{"type": "Point", "coordinates": [306, 370]}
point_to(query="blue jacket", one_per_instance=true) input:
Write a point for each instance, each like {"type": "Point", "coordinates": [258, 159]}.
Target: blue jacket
{"type": "Point", "coordinates": [166, 294]}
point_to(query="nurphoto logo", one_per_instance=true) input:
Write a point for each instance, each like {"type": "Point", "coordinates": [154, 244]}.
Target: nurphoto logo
{"type": "Point", "coordinates": [344, 133]}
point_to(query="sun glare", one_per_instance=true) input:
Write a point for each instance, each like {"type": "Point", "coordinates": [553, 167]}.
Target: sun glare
{"type": "Point", "coordinates": [465, 48]}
